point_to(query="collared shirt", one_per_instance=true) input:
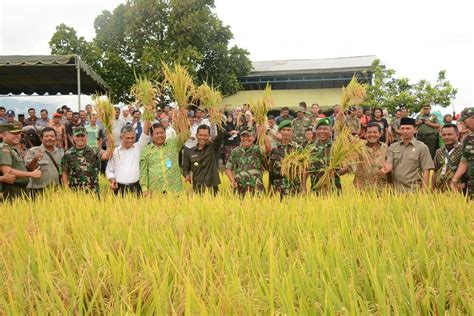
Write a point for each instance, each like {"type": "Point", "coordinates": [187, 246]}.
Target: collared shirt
{"type": "Point", "coordinates": [124, 166]}
{"type": "Point", "coordinates": [446, 162]}
{"type": "Point", "coordinates": [117, 126]}
{"type": "Point", "coordinates": [202, 163]}
{"type": "Point", "coordinates": [299, 128]}
{"type": "Point", "coordinates": [247, 165]}
{"type": "Point", "coordinates": [366, 170]}
{"type": "Point", "coordinates": [191, 142]}
{"type": "Point", "coordinates": [278, 182]}
{"type": "Point", "coordinates": [30, 121]}
{"type": "Point", "coordinates": [468, 157]}
{"type": "Point", "coordinates": [49, 172]}
{"type": "Point", "coordinates": [320, 158]}
{"type": "Point", "coordinates": [408, 162]}
{"type": "Point", "coordinates": [424, 129]}
{"type": "Point", "coordinates": [40, 124]}
{"type": "Point", "coordinates": [170, 132]}
{"type": "Point", "coordinates": [159, 167]}
{"type": "Point", "coordinates": [11, 157]}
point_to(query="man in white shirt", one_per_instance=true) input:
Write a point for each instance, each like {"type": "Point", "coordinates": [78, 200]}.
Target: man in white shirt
{"type": "Point", "coordinates": [123, 169]}
{"type": "Point", "coordinates": [117, 126]}
{"type": "Point", "coordinates": [170, 132]}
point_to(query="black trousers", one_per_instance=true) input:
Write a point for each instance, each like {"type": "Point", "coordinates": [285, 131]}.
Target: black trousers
{"type": "Point", "coordinates": [134, 188]}
{"type": "Point", "coordinates": [430, 140]}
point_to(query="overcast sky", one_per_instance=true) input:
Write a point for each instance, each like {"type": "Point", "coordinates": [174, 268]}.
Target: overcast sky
{"type": "Point", "coordinates": [416, 38]}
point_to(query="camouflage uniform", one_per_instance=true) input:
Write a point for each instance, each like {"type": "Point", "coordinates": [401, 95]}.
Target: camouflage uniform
{"type": "Point", "coordinates": [247, 165]}
{"type": "Point", "coordinates": [468, 156]}
{"type": "Point", "coordinates": [299, 127]}
{"type": "Point", "coordinates": [353, 123]}
{"type": "Point", "coordinates": [319, 159]}
{"type": "Point", "coordinates": [82, 167]}
{"type": "Point", "coordinates": [11, 157]}
{"type": "Point", "coordinates": [278, 182]}
{"type": "Point", "coordinates": [446, 163]}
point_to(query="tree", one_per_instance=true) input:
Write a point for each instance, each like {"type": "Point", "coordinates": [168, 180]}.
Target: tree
{"type": "Point", "coordinates": [141, 34]}
{"type": "Point", "coordinates": [392, 93]}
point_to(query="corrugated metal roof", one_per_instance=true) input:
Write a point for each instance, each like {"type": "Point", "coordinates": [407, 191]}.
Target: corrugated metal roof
{"type": "Point", "coordinates": [301, 66]}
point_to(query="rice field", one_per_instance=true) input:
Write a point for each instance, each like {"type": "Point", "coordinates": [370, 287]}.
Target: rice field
{"type": "Point", "coordinates": [357, 253]}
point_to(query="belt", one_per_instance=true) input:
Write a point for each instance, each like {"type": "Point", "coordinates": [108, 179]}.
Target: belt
{"type": "Point", "coordinates": [128, 184]}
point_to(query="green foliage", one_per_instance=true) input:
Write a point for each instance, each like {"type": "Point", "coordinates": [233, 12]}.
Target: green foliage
{"type": "Point", "coordinates": [140, 34]}
{"type": "Point", "coordinates": [391, 93]}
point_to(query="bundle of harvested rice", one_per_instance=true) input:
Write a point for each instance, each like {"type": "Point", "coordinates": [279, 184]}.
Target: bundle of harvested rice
{"type": "Point", "coordinates": [354, 94]}
{"type": "Point", "coordinates": [209, 99]}
{"type": "Point", "coordinates": [260, 109]}
{"type": "Point", "coordinates": [145, 94]}
{"type": "Point", "coordinates": [180, 83]}
{"type": "Point", "coordinates": [296, 164]}
{"type": "Point", "coordinates": [105, 112]}
{"type": "Point", "coordinates": [345, 150]}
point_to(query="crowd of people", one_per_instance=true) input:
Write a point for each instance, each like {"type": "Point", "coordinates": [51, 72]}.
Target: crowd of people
{"type": "Point", "coordinates": [407, 151]}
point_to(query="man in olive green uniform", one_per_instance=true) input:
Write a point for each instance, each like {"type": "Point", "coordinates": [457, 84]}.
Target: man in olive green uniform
{"type": "Point", "coordinates": [278, 182]}
{"type": "Point", "coordinates": [427, 129]}
{"type": "Point", "coordinates": [320, 154]}
{"type": "Point", "coordinates": [409, 160]}
{"type": "Point", "coordinates": [12, 163]}
{"type": "Point", "coordinates": [246, 164]}
{"type": "Point", "coordinates": [300, 124]}
{"type": "Point", "coordinates": [467, 161]}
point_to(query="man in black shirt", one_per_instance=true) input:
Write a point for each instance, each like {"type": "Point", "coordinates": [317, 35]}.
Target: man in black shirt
{"type": "Point", "coordinates": [200, 166]}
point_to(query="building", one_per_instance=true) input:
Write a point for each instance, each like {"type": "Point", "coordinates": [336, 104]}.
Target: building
{"type": "Point", "coordinates": [310, 80]}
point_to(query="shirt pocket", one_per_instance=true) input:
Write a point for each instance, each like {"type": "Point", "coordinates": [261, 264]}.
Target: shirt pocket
{"type": "Point", "coordinates": [195, 161]}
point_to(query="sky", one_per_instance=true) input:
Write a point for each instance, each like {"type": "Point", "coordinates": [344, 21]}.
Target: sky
{"type": "Point", "coordinates": [416, 38]}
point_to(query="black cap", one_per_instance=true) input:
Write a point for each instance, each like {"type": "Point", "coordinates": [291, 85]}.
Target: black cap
{"type": "Point", "coordinates": [407, 121]}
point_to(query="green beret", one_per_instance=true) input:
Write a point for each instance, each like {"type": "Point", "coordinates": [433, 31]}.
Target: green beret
{"type": "Point", "coordinates": [11, 128]}
{"type": "Point", "coordinates": [467, 112]}
{"type": "Point", "coordinates": [323, 122]}
{"type": "Point", "coordinates": [283, 124]}
{"type": "Point", "coordinates": [80, 130]}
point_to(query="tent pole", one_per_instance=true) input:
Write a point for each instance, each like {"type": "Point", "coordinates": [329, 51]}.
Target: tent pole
{"type": "Point", "coordinates": [78, 66]}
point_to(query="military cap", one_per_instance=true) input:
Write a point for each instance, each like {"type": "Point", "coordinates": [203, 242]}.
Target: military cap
{"type": "Point", "coordinates": [467, 112]}
{"type": "Point", "coordinates": [247, 130]}
{"type": "Point", "coordinates": [407, 121]}
{"type": "Point", "coordinates": [323, 122]}
{"type": "Point", "coordinates": [80, 130]}
{"type": "Point", "coordinates": [11, 128]}
{"type": "Point", "coordinates": [283, 124]}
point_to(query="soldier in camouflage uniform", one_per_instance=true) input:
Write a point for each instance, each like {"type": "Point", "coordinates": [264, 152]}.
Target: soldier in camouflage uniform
{"type": "Point", "coordinates": [279, 183]}
{"type": "Point", "coordinates": [81, 163]}
{"type": "Point", "coordinates": [300, 124]}
{"type": "Point", "coordinates": [320, 154]}
{"type": "Point", "coordinates": [246, 164]}
{"type": "Point", "coordinates": [467, 161]}
{"type": "Point", "coordinates": [13, 164]}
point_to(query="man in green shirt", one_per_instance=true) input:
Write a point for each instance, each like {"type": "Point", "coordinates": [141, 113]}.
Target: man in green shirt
{"type": "Point", "coordinates": [427, 129]}
{"type": "Point", "coordinates": [159, 162]}
{"type": "Point", "coordinates": [12, 163]}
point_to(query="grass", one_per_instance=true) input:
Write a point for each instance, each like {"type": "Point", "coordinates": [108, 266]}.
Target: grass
{"type": "Point", "coordinates": [357, 253]}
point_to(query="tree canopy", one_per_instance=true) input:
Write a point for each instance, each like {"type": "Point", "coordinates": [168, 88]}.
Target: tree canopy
{"type": "Point", "coordinates": [139, 34]}
{"type": "Point", "coordinates": [392, 93]}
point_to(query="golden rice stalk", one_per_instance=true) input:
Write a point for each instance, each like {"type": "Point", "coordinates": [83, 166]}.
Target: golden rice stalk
{"type": "Point", "coordinates": [296, 164]}
{"type": "Point", "coordinates": [105, 112]}
{"type": "Point", "coordinates": [260, 109]}
{"type": "Point", "coordinates": [180, 83]}
{"type": "Point", "coordinates": [145, 94]}
{"type": "Point", "coordinates": [181, 122]}
{"type": "Point", "coordinates": [354, 94]}
{"type": "Point", "coordinates": [345, 150]}
{"type": "Point", "coordinates": [210, 98]}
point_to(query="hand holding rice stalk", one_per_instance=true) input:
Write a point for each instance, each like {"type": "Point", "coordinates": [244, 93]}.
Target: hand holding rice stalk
{"type": "Point", "coordinates": [295, 165]}
{"type": "Point", "coordinates": [181, 85]}
{"type": "Point", "coordinates": [345, 150]}
{"type": "Point", "coordinates": [209, 98]}
{"type": "Point", "coordinates": [260, 110]}
{"type": "Point", "coordinates": [145, 94]}
{"type": "Point", "coordinates": [105, 113]}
